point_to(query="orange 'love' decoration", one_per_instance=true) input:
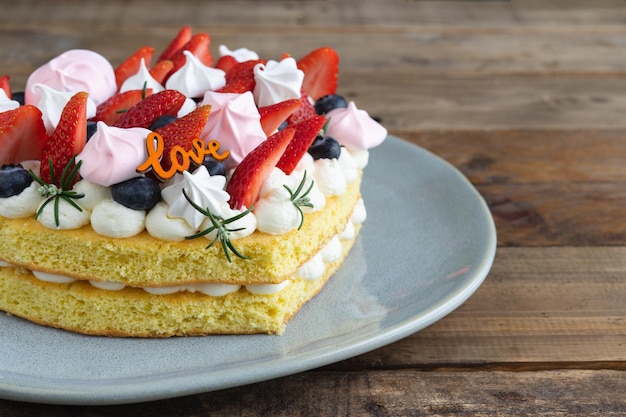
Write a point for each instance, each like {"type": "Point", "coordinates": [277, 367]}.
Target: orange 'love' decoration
{"type": "Point", "coordinates": [181, 158]}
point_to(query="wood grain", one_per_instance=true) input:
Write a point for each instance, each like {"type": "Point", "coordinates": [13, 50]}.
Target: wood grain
{"type": "Point", "coordinates": [525, 98]}
{"type": "Point", "coordinates": [391, 393]}
{"type": "Point", "coordinates": [554, 306]}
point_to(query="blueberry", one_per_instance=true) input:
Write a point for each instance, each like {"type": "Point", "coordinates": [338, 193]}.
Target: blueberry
{"type": "Point", "coordinates": [19, 97]}
{"type": "Point", "coordinates": [139, 193]}
{"type": "Point", "coordinates": [283, 125]}
{"type": "Point", "coordinates": [325, 147]}
{"type": "Point", "coordinates": [214, 167]}
{"type": "Point", "coordinates": [91, 128]}
{"type": "Point", "coordinates": [329, 102]}
{"type": "Point", "coordinates": [13, 180]}
{"type": "Point", "coordinates": [162, 121]}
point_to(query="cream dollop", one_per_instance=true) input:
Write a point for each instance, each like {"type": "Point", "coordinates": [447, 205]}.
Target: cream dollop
{"type": "Point", "coordinates": [312, 269]}
{"type": "Point", "coordinates": [239, 228]}
{"type": "Point", "coordinates": [276, 213]}
{"type": "Point", "coordinates": [110, 218]}
{"type": "Point", "coordinates": [331, 252]}
{"type": "Point", "coordinates": [48, 277]}
{"type": "Point", "coordinates": [160, 225]}
{"type": "Point", "coordinates": [69, 216]}
{"type": "Point", "coordinates": [113, 154]}
{"type": "Point", "coordinates": [240, 54]}
{"type": "Point", "coordinates": [52, 103]}
{"type": "Point", "coordinates": [141, 79]}
{"type": "Point", "coordinates": [267, 288]}
{"type": "Point", "coordinates": [359, 214]}
{"type": "Point", "coordinates": [354, 128]}
{"type": "Point", "coordinates": [94, 193]}
{"type": "Point", "coordinates": [74, 70]}
{"type": "Point", "coordinates": [205, 190]}
{"type": "Point", "coordinates": [23, 204]}
{"type": "Point", "coordinates": [330, 177]}
{"type": "Point", "coordinates": [277, 81]}
{"type": "Point", "coordinates": [194, 78]}
{"type": "Point", "coordinates": [234, 122]}
{"type": "Point", "coordinates": [107, 285]}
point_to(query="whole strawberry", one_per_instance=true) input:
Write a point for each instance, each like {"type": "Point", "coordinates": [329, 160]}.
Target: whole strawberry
{"type": "Point", "coordinates": [321, 70]}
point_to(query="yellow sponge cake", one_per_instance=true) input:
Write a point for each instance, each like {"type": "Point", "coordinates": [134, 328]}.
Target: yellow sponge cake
{"type": "Point", "coordinates": [217, 196]}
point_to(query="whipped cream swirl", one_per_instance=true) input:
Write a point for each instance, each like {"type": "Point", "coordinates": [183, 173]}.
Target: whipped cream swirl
{"type": "Point", "coordinates": [6, 103]}
{"type": "Point", "coordinates": [240, 54]}
{"type": "Point", "coordinates": [52, 102]}
{"type": "Point", "coordinates": [205, 190]}
{"type": "Point", "coordinates": [277, 81]}
{"type": "Point", "coordinates": [194, 78]}
{"type": "Point", "coordinates": [140, 79]}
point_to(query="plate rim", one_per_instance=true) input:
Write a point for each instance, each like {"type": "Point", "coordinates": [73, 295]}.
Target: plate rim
{"type": "Point", "coordinates": [136, 390]}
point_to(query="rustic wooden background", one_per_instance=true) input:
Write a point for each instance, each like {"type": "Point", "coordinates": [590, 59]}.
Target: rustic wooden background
{"type": "Point", "coordinates": [526, 98]}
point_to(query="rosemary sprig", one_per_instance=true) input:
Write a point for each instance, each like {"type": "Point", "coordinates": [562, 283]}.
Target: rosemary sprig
{"type": "Point", "coordinates": [62, 191]}
{"type": "Point", "coordinates": [218, 224]}
{"type": "Point", "coordinates": [303, 200]}
{"type": "Point", "coordinates": [143, 95]}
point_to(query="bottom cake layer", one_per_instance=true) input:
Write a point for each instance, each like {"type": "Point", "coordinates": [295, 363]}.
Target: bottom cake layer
{"type": "Point", "coordinates": [132, 312]}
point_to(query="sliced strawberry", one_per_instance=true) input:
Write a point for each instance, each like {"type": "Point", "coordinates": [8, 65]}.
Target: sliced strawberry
{"type": "Point", "coordinates": [272, 116]}
{"type": "Point", "coordinates": [306, 132]}
{"type": "Point", "coordinates": [182, 132]}
{"type": "Point", "coordinates": [142, 114]}
{"type": "Point", "coordinates": [321, 69]}
{"type": "Point", "coordinates": [111, 110]}
{"type": "Point", "coordinates": [243, 70]}
{"type": "Point", "coordinates": [198, 45]}
{"type": "Point", "coordinates": [182, 37]}
{"type": "Point", "coordinates": [239, 86]}
{"type": "Point", "coordinates": [161, 69]}
{"type": "Point", "coordinates": [67, 140]}
{"type": "Point", "coordinates": [226, 62]}
{"type": "Point", "coordinates": [240, 78]}
{"type": "Point", "coordinates": [304, 112]}
{"type": "Point", "coordinates": [22, 134]}
{"type": "Point", "coordinates": [130, 65]}
{"type": "Point", "coordinates": [248, 178]}
{"type": "Point", "coordinates": [6, 86]}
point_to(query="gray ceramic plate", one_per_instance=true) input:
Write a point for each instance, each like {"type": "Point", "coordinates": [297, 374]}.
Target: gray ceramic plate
{"type": "Point", "coordinates": [427, 245]}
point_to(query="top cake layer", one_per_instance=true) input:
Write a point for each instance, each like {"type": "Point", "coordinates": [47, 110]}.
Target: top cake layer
{"type": "Point", "coordinates": [145, 261]}
{"type": "Point", "coordinates": [260, 156]}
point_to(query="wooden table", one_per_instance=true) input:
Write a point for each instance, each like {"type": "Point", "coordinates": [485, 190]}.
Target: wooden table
{"type": "Point", "coordinates": [526, 98]}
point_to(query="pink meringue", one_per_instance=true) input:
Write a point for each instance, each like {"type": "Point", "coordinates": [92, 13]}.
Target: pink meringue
{"type": "Point", "coordinates": [75, 70]}
{"type": "Point", "coordinates": [113, 154]}
{"type": "Point", "coordinates": [235, 123]}
{"type": "Point", "coordinates": [354, 128]}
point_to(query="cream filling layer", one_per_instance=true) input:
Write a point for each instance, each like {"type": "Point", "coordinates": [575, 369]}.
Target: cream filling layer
{"type": "Point", "coordinates": [311, 270]}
